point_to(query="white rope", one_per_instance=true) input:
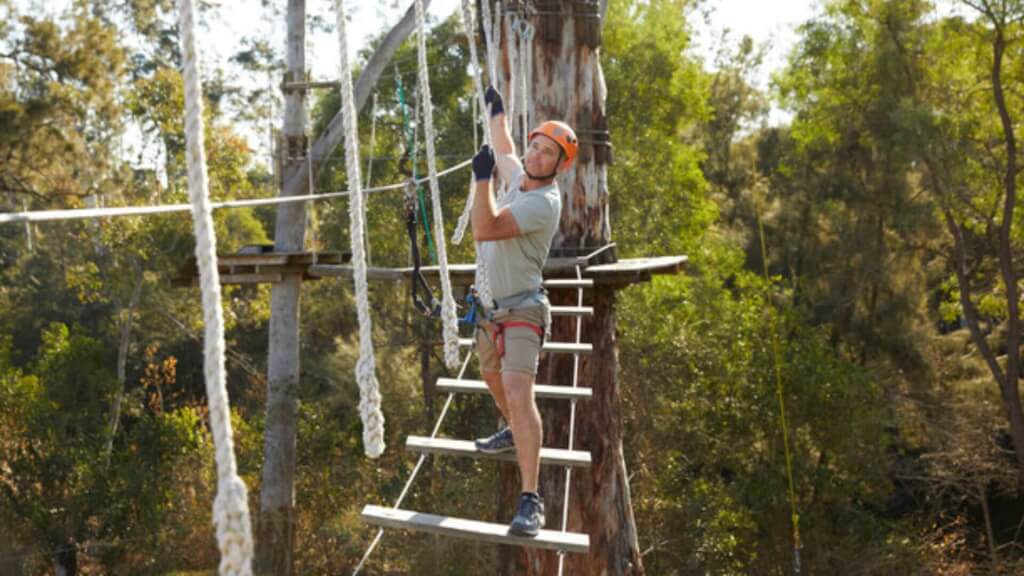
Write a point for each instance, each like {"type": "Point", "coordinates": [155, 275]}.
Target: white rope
{"type": "Point", "coordinates": [476, 129]}
{"type": "Point", "coordinates": [90, 213]}
{"type": "Point", "coordinates": [369, 173]}
{"type": "Point", "coordinates": [512, 107]}
{"type": "Point", "coordinates": [369, 392]}
{"type": "Point", "coordinates": [528, 111]}
{"type": "Point", "coordinates": [469, 25]}
{"type": "Point", "coordinates": [449, 320]}
{"type": "Point", "coordinates": [492, 37]}
{"type": "Point", "coordinates": [525, 76]}
{"type": "Point", "coordinates": [230, 507]}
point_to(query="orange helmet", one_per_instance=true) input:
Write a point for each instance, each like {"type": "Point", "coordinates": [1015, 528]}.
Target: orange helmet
{"type": "Point", "coordinates": [562, 134]}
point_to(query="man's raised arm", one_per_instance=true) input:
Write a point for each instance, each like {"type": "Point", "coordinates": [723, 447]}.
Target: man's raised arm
{"type": "Point", "coordinates": [500, 135]}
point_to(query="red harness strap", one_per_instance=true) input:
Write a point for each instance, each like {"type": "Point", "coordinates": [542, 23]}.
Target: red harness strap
{"type": "Point", "coordinates": [499, 333]}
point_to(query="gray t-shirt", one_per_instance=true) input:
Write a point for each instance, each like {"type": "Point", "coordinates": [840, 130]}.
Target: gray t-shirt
{"type": "Point", "coordinates": [514, 264]}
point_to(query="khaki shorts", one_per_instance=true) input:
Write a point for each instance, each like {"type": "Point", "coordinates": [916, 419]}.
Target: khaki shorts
{"type": "Point", "coordinates": [522, 345]}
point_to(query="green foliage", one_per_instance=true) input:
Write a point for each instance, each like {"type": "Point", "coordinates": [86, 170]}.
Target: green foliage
{"type": "Point", "coordinates": [658, 192]}
{"type": "Point", "coordinates": [896, 433]}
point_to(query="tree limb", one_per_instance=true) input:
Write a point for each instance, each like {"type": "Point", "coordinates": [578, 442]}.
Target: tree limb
{"type": "Point", "coordinates": [298, 182]}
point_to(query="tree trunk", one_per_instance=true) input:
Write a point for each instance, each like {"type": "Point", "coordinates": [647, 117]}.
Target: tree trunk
{"type": "Point", "coordinates": [277, 495]}
{"type": "Point", "coordinates": [122, 356]}
{"type": "Point", "coordinates": [568, 85]}
{"type": "Point", "coordinates": [1011, 387]}
{"type": "Point", "coordinates": [990, 535]}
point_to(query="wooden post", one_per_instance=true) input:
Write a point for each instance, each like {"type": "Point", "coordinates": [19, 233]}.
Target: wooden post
{"type": "Point", "coordinates": [276, 528]}
{"type": "Point", "coordinates": [568, 85]}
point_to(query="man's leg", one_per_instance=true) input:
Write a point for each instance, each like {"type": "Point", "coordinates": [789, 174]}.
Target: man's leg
{"type": "Point", "coordinates": [493, 380]}
{"type": "Point", "coordinates": [519, 368]}
{"type": "Point", "coordinates": [526, 426]}
{"type": "Point", "coordinates": [490, 369]}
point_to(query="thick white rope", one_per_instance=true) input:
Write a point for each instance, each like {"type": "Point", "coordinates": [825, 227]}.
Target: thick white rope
{"type": "Point", "coordinates": [512, 105]}
{"type": "Point", "coordinates": [449, 320]}
{"type": "Point", "coordinates": [492, 39]}
{"type": "Point", "coordinates": [468, 25]}
{"type": "Point", "coordinates": [230, 507]}
{"type": "Point", "coordinates": [369, 392]}
{"type": "Point", "coordinates": [483, 288]}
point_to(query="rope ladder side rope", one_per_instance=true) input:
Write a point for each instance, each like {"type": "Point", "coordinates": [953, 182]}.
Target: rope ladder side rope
{"type": "Point", "coordinates": [572, 418]}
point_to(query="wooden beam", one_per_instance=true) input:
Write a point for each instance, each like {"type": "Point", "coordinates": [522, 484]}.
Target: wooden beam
{"type": "Point", "coordinates": [466, 448]}
{"type": "Point", "coordinates": [539, 390]}
{"type": "Point", "coordinates": [473, 529]}
{"type": "Point", "coordinates": [558, 347]}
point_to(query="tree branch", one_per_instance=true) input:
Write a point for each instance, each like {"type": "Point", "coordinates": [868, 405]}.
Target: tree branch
{"type": "Point", "coordinates": [298, 182]}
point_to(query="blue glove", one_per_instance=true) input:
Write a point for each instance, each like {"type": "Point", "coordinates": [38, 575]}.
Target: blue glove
{"type": "Point", "coordinates": [483, 163]}
{"type": "Point", "coordinates": [493, 97]}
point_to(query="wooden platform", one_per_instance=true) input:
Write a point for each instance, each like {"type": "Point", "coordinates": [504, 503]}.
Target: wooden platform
{"type": "Point", "coordinates": [556, 272]}
{"type": "Point", "coordinates": [539, 390]}
{"type": "Point", "coordinates": [260, 264]}
{"type": "Point", "coordinates": [466, 448]}
{"type": "Point", "coordinates": [473, 529]}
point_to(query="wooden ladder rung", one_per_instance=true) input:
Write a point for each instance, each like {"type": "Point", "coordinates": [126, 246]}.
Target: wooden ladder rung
{"type": "Point", "coordinates": [569, 283]}
{"type": "Point", "coordinates": [539, 390]}
{"type": "Point", "coordinates": [560, 347]}
{"type": "Point", "coordinates": [452, 447]}
{"type": "Point", "coordinates": [473, 529]}
{"type": "Point", "coordinates": [572, 311]}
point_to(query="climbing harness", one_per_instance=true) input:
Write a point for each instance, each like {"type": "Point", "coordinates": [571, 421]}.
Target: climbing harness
{"type": "Point", "coordinates": [498, 334]}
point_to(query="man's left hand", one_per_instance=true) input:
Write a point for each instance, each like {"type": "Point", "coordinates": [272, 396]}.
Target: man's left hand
{"type": "Point", "coordinates": [483, 163]}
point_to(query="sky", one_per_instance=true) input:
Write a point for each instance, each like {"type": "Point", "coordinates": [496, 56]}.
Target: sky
{"type": "Point", "coordinates": [771, 22]}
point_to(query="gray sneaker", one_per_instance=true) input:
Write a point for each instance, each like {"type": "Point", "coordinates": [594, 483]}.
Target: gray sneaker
{"type": "Point", "coordinates": [529, 517]}
{"type": "Point", "coordinates": [497, 443]}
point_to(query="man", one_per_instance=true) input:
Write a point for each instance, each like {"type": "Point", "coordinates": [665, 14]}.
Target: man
{"type": "Point", "coordinates": [515, 237]}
